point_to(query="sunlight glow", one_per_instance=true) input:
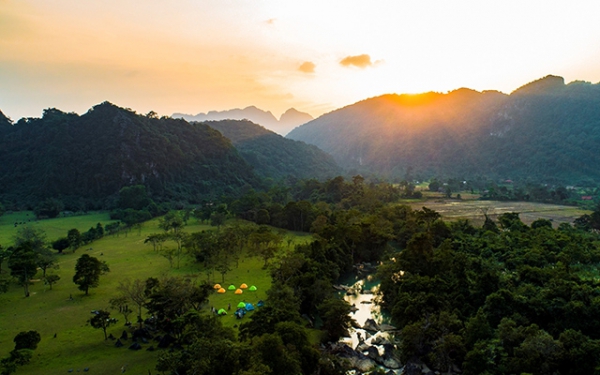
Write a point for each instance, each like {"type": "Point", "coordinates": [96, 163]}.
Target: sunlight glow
{"type": "Point", "coordinates": [220, 54]}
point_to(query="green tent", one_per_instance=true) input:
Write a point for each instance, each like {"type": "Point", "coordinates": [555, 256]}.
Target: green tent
{"type": "Point", "coordinates": [252, 288]}
{"type": "Point", "coordinates": [241, 305]}
{"type": "Point", "coordinates": [222, 312]}
{"type": "Point", "coordinates": [232, 287]}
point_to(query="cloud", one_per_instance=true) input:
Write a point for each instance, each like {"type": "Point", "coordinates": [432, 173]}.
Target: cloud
{"type": "Point", "coordinates": [360, 61]}
{"type": "Point", "coordinates": [307, 67]}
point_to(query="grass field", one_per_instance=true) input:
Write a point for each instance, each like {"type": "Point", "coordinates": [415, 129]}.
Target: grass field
{"type": "Point", "coordinates": [77, 345]}
{"type": "Point", "coordinates": [469, 207]}
{"type": "Point", "coordinates": [54, 228]}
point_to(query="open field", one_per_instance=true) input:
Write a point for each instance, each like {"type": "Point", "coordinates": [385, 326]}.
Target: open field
{"type": "Point", "coordinates": [54, 228]}
{"type": "Point", "coordinates": [77, 345]}
{"type": "Point", "coordinates": [472, 209]}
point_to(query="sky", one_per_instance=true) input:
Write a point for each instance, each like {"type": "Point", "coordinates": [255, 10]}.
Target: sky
{"type": "Point", "coordinates": [194, 56]}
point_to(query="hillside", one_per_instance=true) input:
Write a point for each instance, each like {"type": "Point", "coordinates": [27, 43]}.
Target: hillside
{"type": "Point", "coordinates": [546, 130]}
{"type": "Point", "coordinates": [274, 156]}
{"type": "Point", "coordinates": [85, 159]}
{"type": "Point", "coordinates": [288, 120]}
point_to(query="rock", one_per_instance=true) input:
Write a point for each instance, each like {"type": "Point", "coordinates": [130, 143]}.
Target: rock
{"type": "Point", "coordinates": [366, 302]}
{"type": "Point", "coordinates": [373, 353]}
{"type": "Point", "coordinates": [366, 291]}
{"type": "Point", "coordinates": [456, 369]}
{"type": "Point", "coordinates": [411, 368]}
{"type": "Point", "coordinates": [426, 370]}
{"type": "Point", "coordinates": [387, 327]}
{"type": "Point", "coordinates": [364, 365]}
{"type": "Point", "coordinates": [390, 363]}
{"type": "Point", "coordinates": [367, 335]}
{"type": "Point", "coordinates": [362, 347]}
{"type": "Point", "coordinates": [388, 350]}
{"type": "Point", "coordinates": [380, 340]}
{"type": "Point", "coordinates": [371, 325]}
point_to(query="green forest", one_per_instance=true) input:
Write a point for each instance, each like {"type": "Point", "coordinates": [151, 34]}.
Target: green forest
{"type": "Point", "coordinates": [503, 298]}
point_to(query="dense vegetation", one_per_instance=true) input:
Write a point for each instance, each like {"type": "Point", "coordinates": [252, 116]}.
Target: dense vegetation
{"type": "Point", "coordinates": [83, 160]}
{"type": "Point", "coordinates": [273, 156]}
{"type": "Point", "coordinates": [500, 299]}
{"type": "Point", "coordinates": [543, 131]}
{"type": "Point", "coordinates": [497, 299]}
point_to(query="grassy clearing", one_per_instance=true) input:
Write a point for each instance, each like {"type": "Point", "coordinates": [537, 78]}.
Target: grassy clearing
{"type": "Point", "coordinates": [77, 345]}
{"type": "Point", "coordinates": [473, 209]}
{"type": "Point", "coordinates": [54, 228]}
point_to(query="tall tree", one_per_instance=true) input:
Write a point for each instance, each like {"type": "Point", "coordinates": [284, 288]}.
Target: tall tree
{"type": "Point", "coordinates": [23, 265]}
{"type": "Point", "coordinates": [134, 291]}
{"type": "Point", "coordinates": [102, 320]}
{"type": "Point", "coordinates": [88, 271]}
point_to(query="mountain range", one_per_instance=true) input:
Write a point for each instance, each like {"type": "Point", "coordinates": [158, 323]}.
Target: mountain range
{"type": "Point", "coordinates": [84, 160]}
{"type": "Point", "coordinates": [545, 131]}
{"type": "Point", "coordinates": [274, 156]}
{"type": "Point", "coordinates": [288, 120]}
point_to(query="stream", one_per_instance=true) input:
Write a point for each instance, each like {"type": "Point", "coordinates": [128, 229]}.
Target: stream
{"type": "Point", "coordinates": [361, 293]}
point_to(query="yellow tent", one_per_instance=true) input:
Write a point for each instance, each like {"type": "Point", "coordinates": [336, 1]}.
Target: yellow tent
{"type": "Point", "coordinates": [221, 291]}
{"type": "Point", "coordinates": [239, 291]}
{"type": "Point", "coordinates": [243, 286]}
{"type": "Point", "coordinates": [217, 286]}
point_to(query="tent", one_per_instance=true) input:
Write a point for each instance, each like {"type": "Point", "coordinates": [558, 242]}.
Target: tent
{"type": "Point", "coordinates": [221, 291]}
{"type": "Point", "coordinates": [252, 288]}
{"type": "Point", "coordinates": [241, 305]}
{"type": "Point", "coordinates": [222, 312]}
{"type": "Point", "coordinates": [239, 291]}
{"type": "Point", "coordinates": [249, 307]}
{"type": "Point", "coordinates": [217, 286]}
{"type": "Point", "coordinates": [239, 313]}
{"type": "Point", "coordinates": [231, 287]}
{"type": "Point", "coordinates": [243, 286]}
{"type": "Point", "coordinates": [260, 303]}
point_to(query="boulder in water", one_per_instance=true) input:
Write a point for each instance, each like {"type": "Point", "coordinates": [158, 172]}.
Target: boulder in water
{"type": "Point", "coordinates": [380, 340]}
{"type": "Point", "coordinates": [387, 327]}
{"type": "Point", "coordinates": [371, 325]}
{"type": "Point", "coordinates": [364, 365]}
{"type": "Point", "coordinates": [373, 353]}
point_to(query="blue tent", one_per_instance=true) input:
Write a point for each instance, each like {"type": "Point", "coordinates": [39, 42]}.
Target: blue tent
{"type": "Point", "coordinates": [260, 303]}
{"type": "Point", "coordinates": [249, 307]}
{"type": "Point", "coordinates": [239, 313]}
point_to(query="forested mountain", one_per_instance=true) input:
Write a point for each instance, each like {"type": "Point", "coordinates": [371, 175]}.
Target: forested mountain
{"type": "Point", "coordinates": [545, 130]}
{"type": "Point", "coordinates": [5, 123]}
{"type": "Point", "coordinates": [85, 159]}
{"type": "Point", "coordinates": [288, 120]}
{"type": "Point", "coordinates": [274, 156]}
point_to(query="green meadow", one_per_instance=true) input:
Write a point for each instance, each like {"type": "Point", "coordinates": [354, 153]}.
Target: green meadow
{"type": "Point", "coordinates": [64, 310]}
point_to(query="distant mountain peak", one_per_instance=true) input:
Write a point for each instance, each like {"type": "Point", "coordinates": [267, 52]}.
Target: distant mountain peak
{"type": "Point", "coordinates": [289, 120]}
